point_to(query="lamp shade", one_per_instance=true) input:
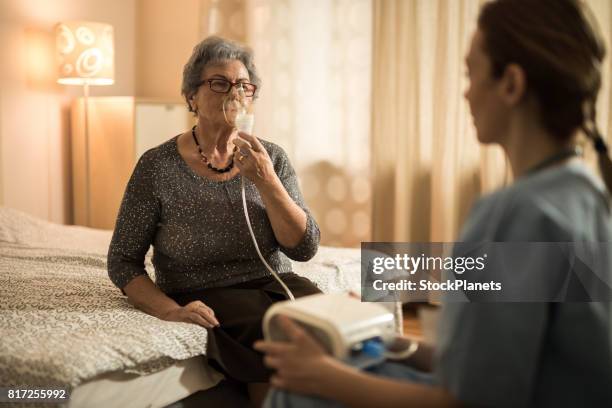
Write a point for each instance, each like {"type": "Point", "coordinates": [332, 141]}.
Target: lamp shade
{"type": "Point", "coordinates": [85, 53]}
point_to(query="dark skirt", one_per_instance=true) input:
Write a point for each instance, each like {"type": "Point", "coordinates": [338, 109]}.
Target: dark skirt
{"type": "Point", "coordinates": [240, 309]}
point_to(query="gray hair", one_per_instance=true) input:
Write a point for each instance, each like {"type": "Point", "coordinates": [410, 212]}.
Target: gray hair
{"type": "Point", "coordinates": [213, 50]}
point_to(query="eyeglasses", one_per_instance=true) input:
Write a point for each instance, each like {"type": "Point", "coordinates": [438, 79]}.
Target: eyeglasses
{"type": "Point", "coordinates": [221, 85]}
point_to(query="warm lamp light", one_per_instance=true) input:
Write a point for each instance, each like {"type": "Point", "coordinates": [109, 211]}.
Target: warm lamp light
{"type": "Point", "coordinates": [86, 56]}
{"type": "Point", "coordinates": [85, 53]}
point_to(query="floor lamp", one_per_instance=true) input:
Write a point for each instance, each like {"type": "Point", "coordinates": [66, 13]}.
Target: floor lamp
{"type": "Point", "coordinates": [85, 54]}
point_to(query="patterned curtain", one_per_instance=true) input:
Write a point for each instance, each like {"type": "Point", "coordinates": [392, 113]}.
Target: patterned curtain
{"type": "Point", "coordinates": [315, 62]}
{"type": "Point", "coordinates": [428, 165]}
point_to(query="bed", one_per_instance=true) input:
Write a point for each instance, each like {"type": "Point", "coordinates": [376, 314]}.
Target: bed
{"type": "Point", "coordinates": [64, 324]}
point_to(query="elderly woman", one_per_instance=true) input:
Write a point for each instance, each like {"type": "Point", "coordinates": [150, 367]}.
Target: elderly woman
{"type": "Point", "coordinates": [184, 198]}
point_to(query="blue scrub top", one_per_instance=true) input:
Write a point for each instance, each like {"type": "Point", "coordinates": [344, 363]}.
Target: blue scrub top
{"type": "Point", "coordinates": [533, 354]}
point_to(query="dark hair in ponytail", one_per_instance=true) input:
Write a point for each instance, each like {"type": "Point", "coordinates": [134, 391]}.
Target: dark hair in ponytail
{"type": "Point", "coordinates": [557, 45]}
{"type": "Point", "coordinates": [590, 128]}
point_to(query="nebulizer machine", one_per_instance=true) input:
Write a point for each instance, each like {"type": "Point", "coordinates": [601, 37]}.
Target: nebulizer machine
{"type": "Point", "coordinates": [361, 334]}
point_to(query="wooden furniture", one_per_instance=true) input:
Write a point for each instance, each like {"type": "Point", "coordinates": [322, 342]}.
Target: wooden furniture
{"type": "Point", "coordinates": [120, 130]}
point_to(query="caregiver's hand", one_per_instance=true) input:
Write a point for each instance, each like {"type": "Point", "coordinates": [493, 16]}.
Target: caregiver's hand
{"type": "Point", "coordinates": [194, 312]}
{"type": "Point", "coordinates": [301, 365]}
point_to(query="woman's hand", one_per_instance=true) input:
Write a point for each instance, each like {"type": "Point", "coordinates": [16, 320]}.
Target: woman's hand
{"type": "Point", "coordinates": [194, 312]}
{"type": "Point", "coordinates": [288, 220]}
{"type": "Point", "coordinates": [301, 365]}
{"type": "Point", "coordinates": [253, 160]}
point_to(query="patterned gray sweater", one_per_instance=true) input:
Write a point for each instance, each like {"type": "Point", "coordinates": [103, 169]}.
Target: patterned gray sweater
{"type": "Point", "coordinates": [197, 226]}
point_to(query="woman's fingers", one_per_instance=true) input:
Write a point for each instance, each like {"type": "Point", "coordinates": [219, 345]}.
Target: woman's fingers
{"type": "Point", "coordinates": [253, 141]}
{"type": "Point", "coordinates": [243, 145]}
{"type": "Point", "coordinates": [248, 164]}
{"type": "Point", "coordinates": [244, 151]}
{"type": "Point", "coordinates": [198, 319]}
{"type": "Point", "coordinates": [252, 159]}
{"type": "Point", "coordinates": [205, 311]}
{"type": "Point", "coordinates": [208, 309]}
{"type": "Point", "coordinates": [299, 336]}
{"type": "Point", "coordinates": [271, 362]}
{"type": "Point", "coordinates": [289, 327]}
{"type": "Point", "coordinates": [195, 304]}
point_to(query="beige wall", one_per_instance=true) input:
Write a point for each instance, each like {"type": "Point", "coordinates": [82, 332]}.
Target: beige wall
{"type": "Point", "coordinates": [166, 32]}
{"type": "Point", "coordinates": [153, 40]}
{"type": "Point", "coordinates": [34, 110]}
